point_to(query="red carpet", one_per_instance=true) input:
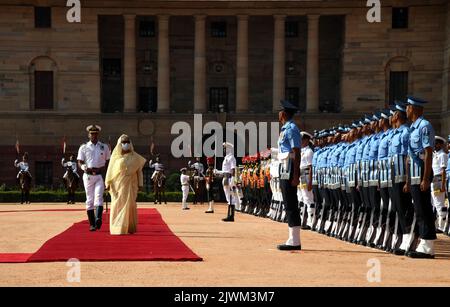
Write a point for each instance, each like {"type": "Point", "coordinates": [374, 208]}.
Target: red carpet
{"type": "Point", "coordinates": [14, 258]}
{"type": "Point", "coordinates": [154, 241]}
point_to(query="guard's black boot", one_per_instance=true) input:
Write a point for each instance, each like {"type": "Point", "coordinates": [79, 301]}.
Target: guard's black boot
{"type": "Point", "coordinates": [98, 220]}
{"type": "Point", "coordinates": [91, 217]}
{"type": "Point", "coordinates": [228, 213]}
{"type": "Point", "coordinates": [230, 217]}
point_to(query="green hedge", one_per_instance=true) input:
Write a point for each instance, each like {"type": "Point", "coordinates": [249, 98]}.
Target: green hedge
{"type": "Point", "coordinates": [59, 196]}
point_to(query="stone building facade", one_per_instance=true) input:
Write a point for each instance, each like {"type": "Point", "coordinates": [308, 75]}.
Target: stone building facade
{"type": "Point", "coordinates": [138, 66]}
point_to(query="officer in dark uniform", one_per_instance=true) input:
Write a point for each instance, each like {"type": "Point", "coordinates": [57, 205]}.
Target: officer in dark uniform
{"type": "Point", "coordinates": [421, 144]}
{"type": "Point", "coordinates": [289, 144]}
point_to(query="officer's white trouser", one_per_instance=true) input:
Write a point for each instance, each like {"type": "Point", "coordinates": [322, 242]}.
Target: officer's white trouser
{"type": "Point", "coordinates": [226, 189]}
{"type": "Point", "coordinates": [438, 200]}
{"type": "Point", "coordinates": [299, 195]}
{"type": "Point", "coordinates": [94, 187]}
{"type": "Point", "coordinates": [185, 190]}
{"type": "Point", "coordinates": [237, 198]}
{"type": "Point", "coordinates": [307, 196]}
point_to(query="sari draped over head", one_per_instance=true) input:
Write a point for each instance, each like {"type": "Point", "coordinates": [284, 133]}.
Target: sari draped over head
{"type": "Point", "coordinates": [123, 179]}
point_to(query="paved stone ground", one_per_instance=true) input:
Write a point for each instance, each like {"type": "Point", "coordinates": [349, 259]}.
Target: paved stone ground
{"type": "Point", "coordinates": [235, 254]}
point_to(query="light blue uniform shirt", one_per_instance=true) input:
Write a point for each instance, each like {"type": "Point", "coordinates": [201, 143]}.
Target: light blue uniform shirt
{"type": "Point", "coordinates": [343, 154]}
{"type": "Point", "coordinates": [366, 150]}
{"type": "Point", "coordinates": [448, 173]}
{"type": "Point", "coordinates": [398, 149]}
{"type": "Point", "coordinates": [383, 148]}
{"type": "Point", "coordinates": [322, 158]}
{"type": "Point", "coordinates": [421, 137]}
{"type": "Point", "coordinates": [316, 153]}
{"type": "Point", "coordinates": [374, 145]}
{"type": "Point", "coordinates": [290, 137]}
{"type": "Point", "coordinates": [334, 160]}
{"type": "Point", "coordinates": [399, 141]}
{"type": "Point", "coordinates": [350, 155]}
{"type": "Point", "coordinates": [360, 150]}
{"type": "Point", "coordinates": [448, 166]}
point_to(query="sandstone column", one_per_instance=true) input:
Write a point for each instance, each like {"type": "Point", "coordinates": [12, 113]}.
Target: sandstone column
{"type": "Point", "coordinates": [163, 64]}
{"type": "Point", "coordinates": [278, 61]}
{"type": "Point", "coordinates": [312, 65]}
{"type": "Point", "coordinates": [200, 64]}
{"type": "Point", "coordinates": [130, 64]}
{"type": "Point", "coordinates": [242, 64]}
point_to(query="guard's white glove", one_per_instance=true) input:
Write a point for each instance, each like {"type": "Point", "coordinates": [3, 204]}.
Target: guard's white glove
{"type": "Point", "coordinates": [84, 167]}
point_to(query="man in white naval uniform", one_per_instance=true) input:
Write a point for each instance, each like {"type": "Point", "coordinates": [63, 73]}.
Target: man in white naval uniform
{"type": "Point", "coordinates": [184, 180]}
{"type": "Point", "coordinates": [439, 165]}
{"type": "Point", "coordinates": [92, 158]}
{"type": "Point", "coordinates": [307, 195]}
{"type": "Point", "coordinates": [228, 181]}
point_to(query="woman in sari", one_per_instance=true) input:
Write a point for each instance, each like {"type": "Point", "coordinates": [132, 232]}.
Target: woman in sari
{"type": "Point", "coordinates": [123, 180]}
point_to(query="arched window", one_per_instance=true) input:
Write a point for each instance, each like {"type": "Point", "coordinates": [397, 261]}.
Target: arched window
{"type": "Point", "coordinates": [398, 79]}
{"type": "Point", "coordinates": [43, 73]}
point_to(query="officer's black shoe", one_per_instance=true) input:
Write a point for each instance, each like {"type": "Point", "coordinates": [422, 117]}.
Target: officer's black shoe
{"type": "Point", "coordinates": [209, 211]}
{"type": "Point", "coordinates": [284, 247]}
{"type": "Point", "coordinates": [91, 217]}
{"type": "Point", "coordinates": [399, 252]}
{"type": "Point", "coordinates": [306, 227]}
{"type": "Point", "coordinates": [98, 220]}
{"type": "Point", "coordinates": [186, 208]}
{"type": "Point", "coordinates": [228, 219]}
{"type": "Point", "coordinates": [419, 255]}
{"type": "Point", "coordinates": [372, 245]}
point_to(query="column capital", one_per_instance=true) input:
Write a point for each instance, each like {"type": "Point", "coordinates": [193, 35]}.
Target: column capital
{"type": "Point", "coordinates": [313, 17]}
{"type": "Point", "coordinates": [279, 17]}
{"type": "Point", "coordinates": [200, 17]}
{"type": "Point", "coordinates": [242, 17]}
{"type": "Point", "coordinates": [163, 17]}
{"type": "Point", "coordinates": [129, 16]}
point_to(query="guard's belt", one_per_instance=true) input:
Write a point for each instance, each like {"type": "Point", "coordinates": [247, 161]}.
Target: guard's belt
{"type": "Point", "coordinates": [94, 171]}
